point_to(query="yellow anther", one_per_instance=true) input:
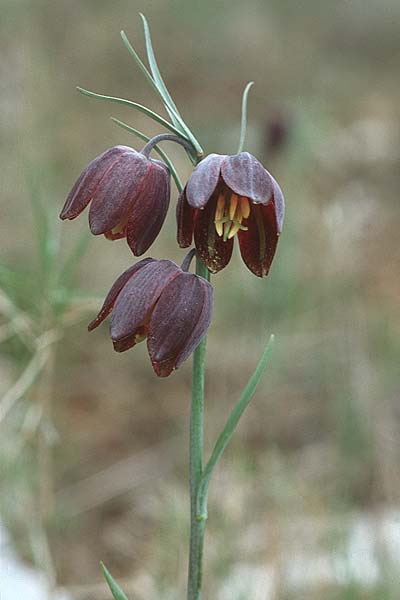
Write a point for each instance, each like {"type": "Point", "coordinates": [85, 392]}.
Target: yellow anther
{"type": "Point", "coordinates": [232, 206]}
{"type": "Point", "coordinates": [244, 207]}
{"type": "Point", "coordinates": [140, 337]}
{"type": "Point", "coordinates": [219, 215]}
{"type": "Point", "coordinates": [234, 229]}
{"type": "Point", "coordinates": [219, 227]}
{"type": "Point", "coordinates": [219, 211]}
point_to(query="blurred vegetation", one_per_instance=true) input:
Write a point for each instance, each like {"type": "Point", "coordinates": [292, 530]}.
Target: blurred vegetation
{"type": "Point", "coordinates": [93, 446]}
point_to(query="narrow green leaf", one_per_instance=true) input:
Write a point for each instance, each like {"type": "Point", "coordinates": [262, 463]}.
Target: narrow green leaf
{"type": "Point", "coordinates": [116, 591]}
{"type": "Point", "coordinates": [154, 66]}
{"type": "Point", "coordinates": [149, 78]}
{"type": "Point", "coordinates": [174, 113]}
{"type": "Point", "coordinates": [230, 426]}
{"type": "Point", "coordinates": [243, 125]}
{"type": "Point", "coordinates": [138, 60]}
{"type": "Point", "coordinates": [161, 152]}
{"type": "Point", "coordinates": [140, 107]}
{"type": "Point", "coordinates": [189, 135]}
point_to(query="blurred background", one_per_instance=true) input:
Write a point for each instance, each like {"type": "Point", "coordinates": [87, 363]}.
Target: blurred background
{"type": "Point", "coordinates": [93, 447]}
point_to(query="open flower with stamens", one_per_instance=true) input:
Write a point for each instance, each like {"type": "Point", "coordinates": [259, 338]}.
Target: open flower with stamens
{"type": "Point", "coordinates": [228, 196]}
{"type": "Point", "coordinates": [129, 195]}
{"type": "Point", "coordinates": [158, 301]}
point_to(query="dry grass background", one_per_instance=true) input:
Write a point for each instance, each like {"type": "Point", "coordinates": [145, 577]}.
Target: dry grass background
{"type": "Point", "coordinates": [93, 452]}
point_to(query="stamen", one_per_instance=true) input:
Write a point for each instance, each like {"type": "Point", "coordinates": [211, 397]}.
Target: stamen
{"type": "Point", "coordinates": [140, 337]}
{"type": "Point", "coordinates": [219, 214]}
{"type": "Point", "coordinates": [234, 229]}
{"type": "Point", "coordinates": [219, 227]}
{"type": "Point", "coordinates": [227, 227]}
{"type": "Point", "coordinates": [219, 211]}
{"type": "Point", "coordinates": [232, 206]}
{"type": "Point", "coordinates": [244, 207]}
{"type": "Point", "coordinates": [119, 231]}
{"type": "Point", "coordinates": [236, 226]}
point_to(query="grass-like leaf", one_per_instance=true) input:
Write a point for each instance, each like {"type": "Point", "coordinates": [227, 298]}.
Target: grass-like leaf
{"type": "Point", "coordinates": [116, 591]}
{"type": "Point", "coordinates": [150, 113]}
{"type": "Point", "coordinates": [154, 67]}
{"type": "Point", "coordinates": [230, 426]}
{"type": "Point", "coordinates": [243, 125]}
{"type": "Point", "coordinates": [163, 91]}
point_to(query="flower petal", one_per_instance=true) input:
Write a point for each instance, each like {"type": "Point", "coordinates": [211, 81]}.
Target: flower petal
{"type": "Point", "coordinates": [204, 180]}
{"type": "Point", "coordinates": [149, 208]}
{"type": "Point", "coordinates": [134, 304]}
{"type": "Point", "coordinates": [184, 218]}
{"type": "Point", "coordinates": [279, 202]}
{"type": "Point", "coordinates": [116, 191]}
{"type": "Point", "coordinates": [214, 252]}
{"type": "Point", "coordinates": [246, 176]}
{"type": "Point", "coordinates": [115, 291]}
{"type": "Point", "coordinates": [179, 321]}
{"type": "Point", "coordinates": [86, 184]}
{"type": "Point", "coordinates": [258, 243]}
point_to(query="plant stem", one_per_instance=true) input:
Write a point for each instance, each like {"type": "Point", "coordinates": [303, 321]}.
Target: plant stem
{"type": "Point", "coordinates": [197, 526]}
{"type": "Point", "coordinates": [169, 137]}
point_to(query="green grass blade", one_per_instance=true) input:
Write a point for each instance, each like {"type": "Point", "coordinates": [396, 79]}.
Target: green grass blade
{"type": "Point", "coordinates": [68, 270]}
{"type": "Point", "coordinates": [116, 591]}
{"type": "Point", "coordinates": [243, 126]}
{"type": "Point", "coordinates": [140, 107]}
{"type": "Point", "coordinates": [161, 152]}
{"type": "Point", "coordinates": [230, 426]}
{"type": "Point", "coordinates": [47, 234]}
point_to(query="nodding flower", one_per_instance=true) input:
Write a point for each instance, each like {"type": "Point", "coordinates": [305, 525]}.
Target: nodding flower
{"type": "Point", "coordinates": [157, 300]}
{"type": "Point", "coordinates": [129, 195]}
{"type": "Point", "coordinates": [228, 196]}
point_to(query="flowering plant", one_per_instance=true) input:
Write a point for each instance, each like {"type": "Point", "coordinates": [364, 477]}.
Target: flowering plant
{"type": "Point", "coordinates": [225, 196]}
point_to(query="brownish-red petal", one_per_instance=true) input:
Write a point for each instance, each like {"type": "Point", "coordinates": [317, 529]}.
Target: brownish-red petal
{"type": "Point", "coordinates": [246, 176]}
{"type": "Point", "coordinates": [115, 291]}
{"type": "Point", "coordinates": [204, 180]}
{"type": "Point", "coordinates": [179, 321]}
{"type": "Point", "coordinates": [88, 181]}
{"type": "Point", "coordinates": [116, 191]}
{"type": "Point", "coordinates": [184, 219]}
{"type": "Point", "coordinates": [279, 202]}
{"type": "Point", "coordinates": [149, 208]}
{"type": "Point", "coordinates": [137, 298]}
{"type": "Point", "coordinates": [258, 243]}
{"type": "Point", "coordinates": [214, 252]}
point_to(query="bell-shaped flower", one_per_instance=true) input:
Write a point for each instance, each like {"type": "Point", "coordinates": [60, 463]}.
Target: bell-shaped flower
{"type": "Point", "coordinates": [228, 196]}
{"type": "Point", "coordinates": [158, 301]}
{"type": "Point", "coordinates": [129, 195]}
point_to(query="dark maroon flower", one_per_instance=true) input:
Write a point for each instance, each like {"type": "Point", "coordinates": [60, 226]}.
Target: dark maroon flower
{"type": "Point", "coordinates": [129, 195]}
{"type": "Point", "coordinates": [157, 300]}
{"type": "Point", "coordinates": [229, 195]}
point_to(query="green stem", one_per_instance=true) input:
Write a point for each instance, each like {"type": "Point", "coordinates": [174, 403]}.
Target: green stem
{"type": "Point", "coordinates": [197, 526]}
{"type": "Point", "coordinates": [161, 152]}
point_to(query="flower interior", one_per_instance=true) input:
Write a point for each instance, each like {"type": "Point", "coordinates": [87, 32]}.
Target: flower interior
{"type": "Point", "coordinates": [230, 211]}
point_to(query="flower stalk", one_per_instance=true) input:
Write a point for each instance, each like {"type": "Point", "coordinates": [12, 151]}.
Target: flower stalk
{"type": "Point", "coordinates": [168, 137]}
{"type": "Point", "coordinates": [197, 526]}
